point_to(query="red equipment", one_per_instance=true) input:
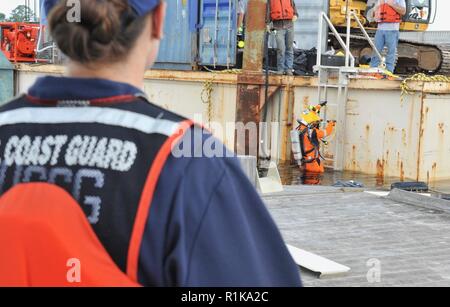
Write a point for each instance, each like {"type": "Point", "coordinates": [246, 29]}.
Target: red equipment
{"type": "Point", "coordinates": [19, 41]}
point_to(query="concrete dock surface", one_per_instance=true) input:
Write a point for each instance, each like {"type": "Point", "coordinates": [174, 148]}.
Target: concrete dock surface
{"type": "Point", "coordinates": [384, 242]}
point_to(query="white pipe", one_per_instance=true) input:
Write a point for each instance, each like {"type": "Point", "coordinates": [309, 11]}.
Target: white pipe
{"type": "Point", "coordinates": [349, 25]}
{"type": "Point", "coordinates": [229, 35]}
{"type": "Point", "coordinates": [338, 37]}
{"type": "Point", "coordinates": [216, 36]}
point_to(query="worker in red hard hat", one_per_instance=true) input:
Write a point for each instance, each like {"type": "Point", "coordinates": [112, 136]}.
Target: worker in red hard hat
{"type": "Point", "coordinates": [311, 137]}
{"type": "Point", "coordinates": [99, 186]}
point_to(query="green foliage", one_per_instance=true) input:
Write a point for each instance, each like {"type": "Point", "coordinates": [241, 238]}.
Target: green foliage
{"type": "Point", "coordinates": [22, 13]}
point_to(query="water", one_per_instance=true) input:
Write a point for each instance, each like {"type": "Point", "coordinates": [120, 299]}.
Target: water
{"type": "Point", "coordinates": [292, 175]}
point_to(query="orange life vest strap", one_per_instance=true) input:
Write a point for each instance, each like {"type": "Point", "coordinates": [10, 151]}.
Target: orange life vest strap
{"type": "Point", "coordinates": [147, 197]}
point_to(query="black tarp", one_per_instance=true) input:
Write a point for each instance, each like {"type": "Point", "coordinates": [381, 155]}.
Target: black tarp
{"type": "Point", "coordinates": [304, 61]}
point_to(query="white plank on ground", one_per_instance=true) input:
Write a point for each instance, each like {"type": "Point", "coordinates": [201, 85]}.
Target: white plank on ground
{"type": "Point", "coordinates": [386, 193]}
{"type": "Point", "coordinates": [271, 183]}
{"type": "Point", "coordinates": [378, 193]}
{"type": "Point", "coordinates": [317, 264]}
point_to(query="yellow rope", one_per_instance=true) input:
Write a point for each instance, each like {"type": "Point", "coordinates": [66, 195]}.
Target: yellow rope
{"type": "Point", "coordinates": [208, 88]}
{"type": "Point", "coordinates": [206, 96]}
{"type": "Point", "coordinates": [226, 71]}
{"type": "Point", "coordinates": [392, 75]}
{"type": "Point", "coordinates": [421, 78]}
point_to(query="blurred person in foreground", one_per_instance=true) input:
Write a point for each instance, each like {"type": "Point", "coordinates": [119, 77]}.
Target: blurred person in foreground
{"type": "Point", "coordinates": [96, 177]}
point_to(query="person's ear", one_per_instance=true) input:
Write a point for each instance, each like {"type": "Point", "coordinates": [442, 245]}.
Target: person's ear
{"type": "Point", "coordinates": [158, 17]}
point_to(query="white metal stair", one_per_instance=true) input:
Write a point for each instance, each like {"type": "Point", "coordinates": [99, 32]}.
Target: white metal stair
{"type": "Point", "coordinates": [342, 75]}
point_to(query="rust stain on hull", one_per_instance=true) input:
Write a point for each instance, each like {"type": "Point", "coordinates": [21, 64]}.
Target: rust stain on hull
{"type": "Point", "coordinates": [441, 128]}
{"type": "Point", "coordinates": [421, 132]}
{"type": "Point", "coordinates": [402, 172]}
{"type": "Point", "coordinates": [380, 172]}
{"type": "Point", "coordinates": [354, 159]}
{"type": "Point", "coordinates": [432, 179]}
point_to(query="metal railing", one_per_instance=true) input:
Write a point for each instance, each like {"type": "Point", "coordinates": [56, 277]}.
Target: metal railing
{"type": "Point", "coordinates": [324, 17]}
{"type": "Point", "coordinates": [343, 74]}
{"type": "Point", "coordinates": [350, 15]}
{"type": "Point", "coordinates": [349, 58]}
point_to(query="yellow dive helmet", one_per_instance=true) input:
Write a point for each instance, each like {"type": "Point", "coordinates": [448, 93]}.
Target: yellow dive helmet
{"type": "Point", "coordinates": [309, 117]}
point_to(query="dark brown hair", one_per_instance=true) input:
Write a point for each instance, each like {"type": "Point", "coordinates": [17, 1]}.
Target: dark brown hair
{"type": "Point", "coordinates": [107, 31]}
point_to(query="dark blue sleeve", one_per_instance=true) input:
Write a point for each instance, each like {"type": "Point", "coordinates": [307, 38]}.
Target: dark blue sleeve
{"type": "Point", "coordinates": [237, 243]}
{"type": "Point", "coordinates": [209, 227]}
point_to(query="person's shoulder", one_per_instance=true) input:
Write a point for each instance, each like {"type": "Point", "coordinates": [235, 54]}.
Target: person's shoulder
{"type": "Point", "coordinates": [200, 169]}
{"type": "Point", "coordinates": [197, 148]}
{"type": "Point", "coordinates": [15, 103]}
{"type": "Point", "coordinates": [202, 160]}
{"type": "Point", "coordinates": [145, 107]}
{"type": "Point", "coordinates": [201, 148]}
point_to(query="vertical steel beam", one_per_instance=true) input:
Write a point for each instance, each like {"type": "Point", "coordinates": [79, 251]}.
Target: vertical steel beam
{"type": "Point", "coordinates": [254, 35]}
{"type": "Point", "coordinates": [248, 104]}
{"type": "Point", "coordinates": [342, 99]}
{"type": "Point", "coordinates": [248, 112]}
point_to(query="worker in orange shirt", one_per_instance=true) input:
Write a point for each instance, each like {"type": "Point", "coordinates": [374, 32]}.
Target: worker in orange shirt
{"type": "Point", "coordinates": [283, 14]}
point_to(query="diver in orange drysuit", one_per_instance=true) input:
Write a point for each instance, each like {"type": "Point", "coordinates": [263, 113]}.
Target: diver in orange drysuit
{"type": "Point", "coordinates": [310, 137]}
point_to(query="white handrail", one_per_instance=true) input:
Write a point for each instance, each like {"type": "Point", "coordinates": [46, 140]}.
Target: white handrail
{"type": "Point", "coordinates": [348, 53]}
{"type": "Point", "coordinates": [349, 58]}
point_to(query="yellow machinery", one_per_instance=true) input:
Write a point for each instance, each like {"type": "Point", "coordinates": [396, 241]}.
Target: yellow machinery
{"type": "Point", "coordinates": [413, 56]}
{"type": "Point", "coordinates": [417, 18]}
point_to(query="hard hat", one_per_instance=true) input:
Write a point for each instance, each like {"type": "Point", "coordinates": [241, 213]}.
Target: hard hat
{"type": "Point", "coordinates": [309, 117]}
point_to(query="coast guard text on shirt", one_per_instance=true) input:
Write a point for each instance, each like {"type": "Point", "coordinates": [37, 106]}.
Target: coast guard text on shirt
{"type": "Point", "coordinates": [105, 153]}
{"type": "Point", "coordinates": [78, 161]}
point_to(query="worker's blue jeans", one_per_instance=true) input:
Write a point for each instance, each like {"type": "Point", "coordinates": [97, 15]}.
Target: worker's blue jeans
{"type": "Point", "coordinates": [387, 39]}
{"type": "Point", "coordinates": [285, 49]}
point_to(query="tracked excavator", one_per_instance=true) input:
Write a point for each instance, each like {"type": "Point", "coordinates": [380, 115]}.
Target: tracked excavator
{"type": "Point", "coordinates": [412, 56]}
